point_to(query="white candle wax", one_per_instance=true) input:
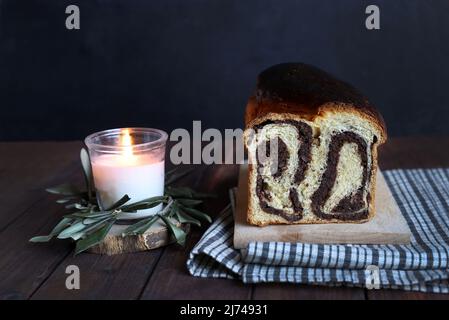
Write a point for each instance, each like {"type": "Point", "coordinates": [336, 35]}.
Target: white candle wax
{"type": "Point", "coordinates": [139, 176]}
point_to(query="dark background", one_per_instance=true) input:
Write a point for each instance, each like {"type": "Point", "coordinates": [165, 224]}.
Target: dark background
{"type": "Point", "coordinates": [165, 63]}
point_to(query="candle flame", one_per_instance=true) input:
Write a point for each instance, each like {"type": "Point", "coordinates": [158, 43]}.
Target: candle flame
{"type": "Point", "coordinates": [126, 142]}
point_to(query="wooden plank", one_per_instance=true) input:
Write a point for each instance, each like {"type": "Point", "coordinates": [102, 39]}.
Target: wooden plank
{"type": "Point", "coordinates": [107, 277]}
{"type": "Point", "coordinates": [102, 277]}
{"type": "Point", "coordinates": [404, 295]}
{"type": "Point", "coordinates": [26, 169]}
{"type": "Point", "coordinates": [171, 279]}
{"type": "Point", "coordinates": [287, 291]}
{"type": "Point", "coordinates": [388, 226]}
{"type": "Point", "coordinates": [25, 265]}
{"type": "Point", "coordinates": [417, 152]}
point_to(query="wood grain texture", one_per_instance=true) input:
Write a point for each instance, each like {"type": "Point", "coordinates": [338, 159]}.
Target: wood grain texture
{"type": "Point", "coordinates": [403, 295]}
{"type": "Point", "coordinates": [102, 277]}
{"type": "Point", "coordinates": [27, 210]}
{"type": "Point", "coordinates": [25, 265]}
{"type": "Point", "coordinates": [38, 270]}
{"type": "Point", "coordinates": [288, 291]}
{"type": "Point", "coordinates": [27, 168]}
{"type": "Point", "coordinates": [171, 280]}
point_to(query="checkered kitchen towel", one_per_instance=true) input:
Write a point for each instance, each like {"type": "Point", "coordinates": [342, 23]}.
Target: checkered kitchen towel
{"type": "Point", "coordinates": [422, 195]}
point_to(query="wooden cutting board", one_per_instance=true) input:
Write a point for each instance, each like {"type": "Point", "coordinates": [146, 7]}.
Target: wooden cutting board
{"type": "Point", "coordinates": [387, 227]}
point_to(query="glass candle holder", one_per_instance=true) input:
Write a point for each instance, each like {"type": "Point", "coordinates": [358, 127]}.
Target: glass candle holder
{"type": "Point", "coordinates": [128, 161]}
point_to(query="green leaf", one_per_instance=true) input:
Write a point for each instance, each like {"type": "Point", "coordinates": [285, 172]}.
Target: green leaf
{"type": "Point", "coordinates": [87, 169]}
{"type": "Point", "coordinates": [178, 233]}
{"type": "Point", "coordinates": [119, 203]}
{"type": "Point", "coordinates": [90, 228]}
{"type": "Point", "coordinates": [74, 228]}
{"type": "Point", "coordinates": [78, 235]}
{"type": "Point", "coordinates": [189, 202]}
{"type": "Point", "coordinates": [93, 239]}
{"type": "Point", "coordinates": [65, 189]}
{"type": "Point", "coordinates": [92, 220]}
{"type": "Point", "coordinates": [96, 225]}
{"type": "Point", "coordinates": [41, 238]}
{"type": "Point", "coordinates": [84, 215]}
{"type": "Point", "coordinates": [138, 224]}
{"type": "Point", "coordinates": [197, 214]}
{"type": "Point", "coordinates": [141, 206]}
{"type": "Point", "coordinates": [99, 214]}
{"type": "Point", "coordinates": [185, 218]}
{"type": "Point", "coordinates": [78, 206]}
{"type": "Point", "coordinates": [65, 200]}
{"type": "Point", "coordinates": [58, 228]}
{"type": "Point", "coordinates": [144, 204]}
{"type": "Point", "coordinates": [140, 227]}
{"type": "Point", "coordinates": [87, 224]}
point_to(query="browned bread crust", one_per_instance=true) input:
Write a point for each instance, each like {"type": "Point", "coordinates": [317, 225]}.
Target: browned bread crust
{"type": "Point", "coordinates": [301, 89]}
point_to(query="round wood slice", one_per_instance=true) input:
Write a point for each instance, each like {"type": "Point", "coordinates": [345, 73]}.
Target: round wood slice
{"type": "Point", "coordinates": [156, 236]}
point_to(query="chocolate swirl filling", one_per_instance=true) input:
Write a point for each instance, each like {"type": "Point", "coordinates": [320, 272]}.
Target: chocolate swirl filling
{"type": "Point", "coordinates": [351, 207]}
{"type": "Point", "coordinates": [304, 156]}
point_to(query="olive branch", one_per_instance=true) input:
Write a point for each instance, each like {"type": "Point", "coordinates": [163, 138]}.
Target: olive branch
{"type": "Point", "coordinates": [87, 224]}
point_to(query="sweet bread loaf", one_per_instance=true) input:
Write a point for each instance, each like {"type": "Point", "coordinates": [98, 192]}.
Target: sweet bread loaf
{"type": "Point", "coordinates": [326, 136]}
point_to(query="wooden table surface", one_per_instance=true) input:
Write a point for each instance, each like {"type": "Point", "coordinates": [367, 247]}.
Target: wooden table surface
{"type": "Point", "coordinates": [37, 271]}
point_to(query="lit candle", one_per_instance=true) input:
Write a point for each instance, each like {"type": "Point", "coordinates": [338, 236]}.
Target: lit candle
{"type": "Point", "coordinates": [128, 161]}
